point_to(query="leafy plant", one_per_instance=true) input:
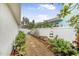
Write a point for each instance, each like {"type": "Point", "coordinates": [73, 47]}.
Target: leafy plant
{"type": "Point", "coordinates": [74, 20]}
{"type": "Point", "coordinates": [77, 54]}
{"type": "Point", "coordinates": [20, 39]}
{"type": "Point", "coordinates": [61, 47]}
{"type": "Point", "coordinates": [19, 45]}
{"type": "Point", "coordinates": [65, 11]}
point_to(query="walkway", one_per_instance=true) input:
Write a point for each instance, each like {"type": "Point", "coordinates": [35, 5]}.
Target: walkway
{"type": "Point", "coordinates": [36, 48]}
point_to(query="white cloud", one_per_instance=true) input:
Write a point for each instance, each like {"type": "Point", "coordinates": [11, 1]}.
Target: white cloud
{"type": "Point", "coordinates": [41, 18]}
{"type": "Point", "coordinates": [47, 6]}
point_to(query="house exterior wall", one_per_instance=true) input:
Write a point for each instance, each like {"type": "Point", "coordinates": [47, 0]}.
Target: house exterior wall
{"type": "Point", "coordinates": [8, 30]}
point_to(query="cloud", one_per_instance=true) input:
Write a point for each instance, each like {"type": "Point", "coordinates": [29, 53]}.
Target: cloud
{"type": "Point", "coordinates": [41, 18]}
{"type": "Point", "coordinates": [47, 6]}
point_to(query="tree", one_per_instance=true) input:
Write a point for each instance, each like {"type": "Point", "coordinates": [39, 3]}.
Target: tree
{"type": "Point", "coordinates": [74, 20]}
{"type": "Point", "coordinates": [33, 23]}
{"type": "Point", "coordinates": [25, 20]}
{"type": "Point", "coordinates": [66, 10]}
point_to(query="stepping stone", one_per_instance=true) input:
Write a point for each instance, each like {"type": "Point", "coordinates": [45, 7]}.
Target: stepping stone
{"type": "Point", "coordinates": [31, 43]}
{"type": "Point", "coordinates": [33, 46]}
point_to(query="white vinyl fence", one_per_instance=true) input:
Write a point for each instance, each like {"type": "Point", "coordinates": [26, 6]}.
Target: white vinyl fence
{"type": "Point", "coordinates": [67, 33]}
{"type": "Point", "coordinates": [26, 31]}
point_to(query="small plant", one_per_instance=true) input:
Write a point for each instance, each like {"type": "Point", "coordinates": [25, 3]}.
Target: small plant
{"type": "Point", "coordinates": [19, 45]}
{"type": "Point", "coordinates": [77, 54]}
{"type": "Point", "coordinates": [61, 47]}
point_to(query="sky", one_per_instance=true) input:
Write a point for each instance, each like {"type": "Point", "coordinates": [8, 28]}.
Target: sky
{"type": "Point", "coordinates": [44, 11]}
{"type": "Point", "coordinates": [40, 11]}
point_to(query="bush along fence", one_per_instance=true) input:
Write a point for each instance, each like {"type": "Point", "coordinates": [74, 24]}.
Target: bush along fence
{"type": "Point", "coordinates": [19, 45]}
{"type": "Point", "coordinates": [62, 48]}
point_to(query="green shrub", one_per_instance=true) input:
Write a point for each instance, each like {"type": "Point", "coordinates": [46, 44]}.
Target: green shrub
{"type": "Point", "coordinates": [62, 47]}
{"type": "Point", "coordinates": [77, 54]}
{"type": "Point", "coordinates": [19, 44]}
{"type": "Point", "coordinates": [20, 39]}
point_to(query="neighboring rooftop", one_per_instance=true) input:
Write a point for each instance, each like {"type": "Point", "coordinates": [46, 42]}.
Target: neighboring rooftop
{"type": "Point", "coordinates": [56, 19]}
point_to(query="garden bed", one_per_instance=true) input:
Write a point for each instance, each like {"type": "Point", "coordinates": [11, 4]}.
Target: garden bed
{"type": "Point", "coordinates": [19, 45]}
{"type": "Point", "coordinates": [59, 46]}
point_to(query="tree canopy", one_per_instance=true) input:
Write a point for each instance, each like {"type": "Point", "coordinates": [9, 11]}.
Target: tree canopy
{"type": "Point", "coordinates": [66, 10]}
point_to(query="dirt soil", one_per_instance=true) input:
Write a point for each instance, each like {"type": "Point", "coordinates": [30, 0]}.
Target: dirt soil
{"type": "Point", "coordinates": [36, 47]}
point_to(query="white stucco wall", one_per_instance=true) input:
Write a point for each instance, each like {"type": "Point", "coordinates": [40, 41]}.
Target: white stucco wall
{"type": "Point", "coordinates": [8, 30]}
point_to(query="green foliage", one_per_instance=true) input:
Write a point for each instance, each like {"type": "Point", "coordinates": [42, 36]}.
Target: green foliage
{"type": "Point", "coordinates": [45, 25]}
{"type": "Point", "coordinates": [67, 9]}
{"type": "Point", "coordinates": [64, 11]}
{"type": "Point", "coordinates": [19, 44]}
{"type": "Point", "coordinates": [62, 47]}
{"type": "Point", "coordinates": [31, 25]}
{"type": "Point", "coordinates": [20, 39]}
{"type": "Point", "coordinates": [77, 54]}
{"type": "Point", "coordinates": [74, 21]}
